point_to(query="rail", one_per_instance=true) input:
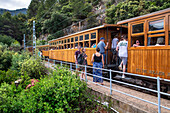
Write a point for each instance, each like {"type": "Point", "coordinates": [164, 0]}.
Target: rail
{"type": "Point", "coordinates": [159, 93]}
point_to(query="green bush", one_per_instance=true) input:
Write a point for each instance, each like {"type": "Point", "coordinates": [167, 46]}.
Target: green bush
{"type": "Point", "coordinates": [3, 46]}
{"type": "Point", "coordinates": [133, 8]}
{"type": "Point", "coordinates": [9, 76]}
{"type": "Point", "coordinates": [18, 60]}
{"type": "Point", "coordinates": [5, 59]}
{"type": "Point", "coordinates": [59, 92]}
{"type": "Point", "coordinates": [6, 39]}
{"type": "Point", "coordinates": [33, 67]}
{"type": "Point", "coordinates": [15, 46]}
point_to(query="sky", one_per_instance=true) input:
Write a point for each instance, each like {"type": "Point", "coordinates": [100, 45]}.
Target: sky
{"type": "Point", "coordinates": [14, 4]}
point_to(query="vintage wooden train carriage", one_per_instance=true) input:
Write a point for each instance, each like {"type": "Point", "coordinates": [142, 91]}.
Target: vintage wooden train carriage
{"type": "Point", "coordinates": [63, 48]}
{"type": "Point", "coordinates": [152, 57]}
{"type": "Point", "coordinates": [44, 49]}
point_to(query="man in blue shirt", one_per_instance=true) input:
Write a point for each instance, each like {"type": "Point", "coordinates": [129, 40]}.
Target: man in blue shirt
{"type": "Point", "coordinates": [102, 46]}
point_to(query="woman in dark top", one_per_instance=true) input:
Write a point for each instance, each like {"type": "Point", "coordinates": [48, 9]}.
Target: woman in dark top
{"type": "Point", "coordinates": [84, 61]}
{"type": "Point", "coordinates": [98, 63]}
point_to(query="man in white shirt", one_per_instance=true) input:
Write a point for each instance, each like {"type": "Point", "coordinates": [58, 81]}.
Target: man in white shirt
{"type": "Point", "coordinates": [123, 53]}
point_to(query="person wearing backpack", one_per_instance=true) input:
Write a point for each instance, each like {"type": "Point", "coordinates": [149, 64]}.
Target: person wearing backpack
{"type": "Point", "coordinates": [98, 62]}
{"type": "Point", "coordinates": [76, 56]}
{"type": "Point", "coordinates": [82, 60]}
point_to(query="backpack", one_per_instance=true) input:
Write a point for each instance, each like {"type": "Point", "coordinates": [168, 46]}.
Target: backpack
{"type": "Point", "coordinates": [80, 59]}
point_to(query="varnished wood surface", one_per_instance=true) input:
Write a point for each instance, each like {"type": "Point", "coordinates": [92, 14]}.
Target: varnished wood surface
{"type": "Point", "coordinates": [45, 53]}
{"type": "Point", "coordinates": [68, 54]}
{"type": "Point", "coordinates": [149, 62]}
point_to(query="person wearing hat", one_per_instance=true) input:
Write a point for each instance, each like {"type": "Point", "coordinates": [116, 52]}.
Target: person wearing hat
{"type": "Point", "coordinates": [101, 45]}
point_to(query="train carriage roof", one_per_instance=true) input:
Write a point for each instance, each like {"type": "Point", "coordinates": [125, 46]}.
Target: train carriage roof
{"type": "Point", "coordinates": [95, 28]}
{"type": "Point", "coordinates": [144, 16]}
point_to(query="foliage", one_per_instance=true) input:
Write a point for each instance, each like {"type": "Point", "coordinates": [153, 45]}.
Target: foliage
{"type": "Point", "coordinates": [53, 24]}
{"type": "Point", "coordinates": [3, 46]}
{"type": "Point", "coordinates": [41, 42]}
{"type": "Point", "coordinates": [33, 67]}
{"type": "Point", "coordinates": [59, 92]}
{"type": "Point", "coordinates": [13, 26]}
{"type": "Point", "coordinates": [6, 39]}
{"type": "Point", "coordinates": [15, 46]}
{"type": "Point", "coordinates": [133, 8]}
{"type": "Point", "coordinates": [5, 59]}
{"type": "Point", "coordinates": [19, 59]}
{"type": "Point", "coordinates": [9, 76]}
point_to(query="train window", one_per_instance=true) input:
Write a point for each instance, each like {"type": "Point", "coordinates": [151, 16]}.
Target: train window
{"type": "Point", "coordinates": [156, 41]}
{"type": "Point", "coordinates": [93, 44]}
{"type": "Point", "coordinates": [65, 47]}
{"type": "Point", "coordinates": [93, 35]}
{"type": "Point", "coordinates": [68, 40]}
{"type": "Point", "coordinates": [76, 45]}
{"type": "Point", "coordinates": [81, 44]}
{"type": "Point", "coordinates": [72, 39]}
{"type": "Point", "coordinates": [138, 28]}
{"type": "Point", "coordinates": [156, 25]}
{"type": "Point", "coordinates": [72, 47]}
{"type": "Point", "coordinates": [68, 46]}
{"type": "Point", "coordinates": [137, 40]}
{"type": "Point", "coordinates": [86, 44]}
{"type": "Point", "coordinates": [87, 37]}
{"type": "Point", "coordinates": [59, 42]}
{"type": "Point", "coordinates": [62, 42]}
{"type": "Point", "coordinates": [65, 41]}
{"type": "Point", "coordinates": [76, 38]}
{"type": "Point", "coordinates": [81, 38]}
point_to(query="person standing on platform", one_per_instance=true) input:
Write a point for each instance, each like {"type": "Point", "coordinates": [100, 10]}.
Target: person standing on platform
{"type": "Point", "coordinates": [123, 53]}
{"type": "Point", "coordinates": [98, 62]}
{"type": "Point", "coordinates": [114, 45]}
{"type": "Point", "coordinates": [76, 55]}
{"type": "Point", "coordinates": [101, 45]}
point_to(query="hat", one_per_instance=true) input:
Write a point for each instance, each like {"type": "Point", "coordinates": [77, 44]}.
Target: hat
{"type": "Point", "coordinates": [102, 38]}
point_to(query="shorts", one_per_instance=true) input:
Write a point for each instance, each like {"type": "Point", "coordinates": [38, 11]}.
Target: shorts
{"type": "Point", "coordinates": [113, 50]}
{"type": "Point", "coordinates": [124, 59]}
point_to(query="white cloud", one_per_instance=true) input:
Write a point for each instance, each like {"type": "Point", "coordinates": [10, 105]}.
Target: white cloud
{"type": "Point", "coordinates": [14, 4]}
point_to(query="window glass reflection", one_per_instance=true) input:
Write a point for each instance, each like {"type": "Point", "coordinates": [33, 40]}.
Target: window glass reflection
{"type": "Point", "coordinates": [72, 40]}
{"type": "Point", "coordinates": [138, 28]}
{"type": "Point", "coordinates": [81, 37]}
{"type": "Point", "coordinates": [156, 25]}
{"type": "Point", "coordinates": [86, 36]}
{"type": "Point", "coordinates": [156, 41]}
{"type": "Point", "coordinates": [93, 35]}
{"type": "Point", "coordinates": [76, 38]}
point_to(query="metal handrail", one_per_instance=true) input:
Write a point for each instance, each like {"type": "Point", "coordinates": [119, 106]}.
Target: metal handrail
{"type": "Point", "coordinates": [111, 80]}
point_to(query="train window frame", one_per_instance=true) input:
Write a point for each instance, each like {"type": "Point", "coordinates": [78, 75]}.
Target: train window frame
{"type": "Point", "coordinates": [85, 37]}
{"type": "Point", "coordinates": [68, 40]}
{"type": "Point", "coordinates": [73, 40]}
{"type": "Point", "coordinates": [136, 36]}
{"type": "Point", "coordinates": [91, 36]}
{"type": "Point", "coordinates": [156, 33]}
{"type": "Point", "coordinates": [156, 19]}
{"type": "Point", "coordinates": [77, 38]}
{"type": "Point", "coordinates": [140, 33]}
{"type": "Point", "coordinates": [82, 39]}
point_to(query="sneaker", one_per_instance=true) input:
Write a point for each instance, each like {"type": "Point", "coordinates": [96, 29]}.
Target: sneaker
{"type": "Point", "coordinates": [120, 67]}
{"type": "Point", "coordinates": [123, 76]}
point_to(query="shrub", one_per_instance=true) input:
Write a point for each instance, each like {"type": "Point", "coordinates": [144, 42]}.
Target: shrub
{"type": "Point", "coordinates": [15, 46]}
{"type": "Point", "coordinates": [3, 46]}
{"type": "Point", "coordinates": [33, 67]}
{"type": "Point", "coordinates": [5, 59]}
{"type": "Point", "coordinates": [6, 39]}
{"type": "Point", "coordinates": [9, 76]}
{"type": "Point", "coordinates": [18, 60]}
